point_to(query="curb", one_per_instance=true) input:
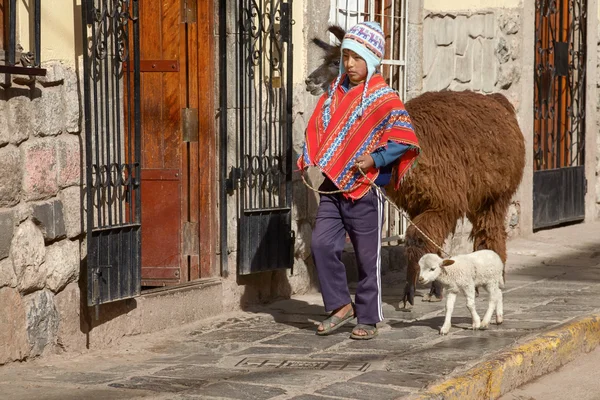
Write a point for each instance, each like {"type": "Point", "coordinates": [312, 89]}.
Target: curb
{"type": "Point", "coordinates": [512, 368]}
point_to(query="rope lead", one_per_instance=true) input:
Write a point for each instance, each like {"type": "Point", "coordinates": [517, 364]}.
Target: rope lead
{"type": "Point", "coordinates": [402, 212]}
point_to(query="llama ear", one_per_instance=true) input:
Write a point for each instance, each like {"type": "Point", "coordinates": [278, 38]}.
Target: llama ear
{"type": "Point", "coordinates": [322, 44]}
{"type": "Point", "coordinates": [337, 31]}
{"type": "Point", "coordinates": [447, 262]}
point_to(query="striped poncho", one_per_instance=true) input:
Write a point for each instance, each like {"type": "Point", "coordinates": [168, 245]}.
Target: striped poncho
{"type": "Point", "coordinates": [337, 135]}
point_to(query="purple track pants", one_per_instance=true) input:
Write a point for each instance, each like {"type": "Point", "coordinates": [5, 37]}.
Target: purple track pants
{"type": "Point", "coordinates": [363, 220]}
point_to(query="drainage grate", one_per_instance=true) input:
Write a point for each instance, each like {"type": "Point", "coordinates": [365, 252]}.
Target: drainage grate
{"type": "Point", "coordinates": [332, 365]}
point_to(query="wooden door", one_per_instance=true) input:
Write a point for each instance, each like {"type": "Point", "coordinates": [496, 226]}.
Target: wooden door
{"type": "Point", "coordinates": [172, 176]}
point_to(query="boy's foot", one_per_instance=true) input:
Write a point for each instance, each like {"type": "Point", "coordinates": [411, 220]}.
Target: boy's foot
{"type": "Point", "coordinates": [336, 319]}
{"type": "Point", "coordinates": [364, 331]}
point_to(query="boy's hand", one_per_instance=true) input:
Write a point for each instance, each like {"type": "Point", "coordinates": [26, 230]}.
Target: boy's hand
{"type": "Point", "coordinates": [365, 162]}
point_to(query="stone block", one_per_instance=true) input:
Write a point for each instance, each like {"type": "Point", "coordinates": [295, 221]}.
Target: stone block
{"type": "Point", "coordinates": [232, 71]}
{"type": "Point", "coordinates": [298, 136]}
{"type": "Point", "coordinates": [49, 113]}
{"type": "Point", "coordinates": [62, 264]}
{"type": "Point", "coordinates": [414, 56]}
{"type": "Point", "coordinates": [489, 30]}
{"type": "Point", "coordinates": [444, 30]}
{"type": "Point", "coordinates": [508, 75]}
{"type": "Point", "coordinates": [429, 46]}
{"type": "Point", "coordinates": [19, 119]}
{"type": "Point", "coordinates": [10, 177]}
{"type": "Point", "coordinates": [69, 160]}
{"type": "Point", "coordinates": [303, 241]}
{"type": "Point", "coordinates": [55, 74]}
{"type": "Point", "coordinates": [476, 24]}
{"type": "Point", "coordinates": [49, 217]}
{"type": "Point", "coordinates": [464, 67]}
{"type": "Point", "coordinates": [415, 11]}
{"type": "Point", "coordinates": [40, 177]}
{"type": "Point", "coordinates": [232, 229]}
{"type": "Point", "coordinates": [68, 304]}
{"type": "Point", "coordinates": [516, 49]}
{"type": "Point", "coordinates": [489, 66]}
{"type": "Point", "coordinates": [71, 199]}
{"type": "Point", "coordinates": [5, 132]}
{"type": "Point", "coordinates": [7, 274]}
{"type": "Point", "coordinates": [442, 72]}
{"type": "Point", "coordinates": [502, 51]}
{"type": "Point", "coordinates": [299, 212]}
{"type": "Point", "coordinates": [28, 253]}
{"type": "Point", "coordinates": [13, 332]}
{"type": "Point", "coordinates": [509, 23]}
{"type": "Point", "coordinates": [513, 216]}
{"type": "Point", "coordinates": [42, 321]}
{"type": "Point", "coordinates": [457, 86]}
{"type": "Point", "coordinates": [72, 119]}
{"type": "Point", "coordinates": [462, 35]}
{"type": "Point", "coordinates": [7, 228]}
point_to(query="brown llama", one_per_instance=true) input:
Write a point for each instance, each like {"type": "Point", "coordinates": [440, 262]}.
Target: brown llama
{"type": "Point", "coordinates": [471, 164]}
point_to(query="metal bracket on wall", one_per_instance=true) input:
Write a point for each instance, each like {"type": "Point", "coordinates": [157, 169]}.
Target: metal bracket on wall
{"type": "Point", "coordinates": [189, 11]}
{"type": "Point", "coordinates": [189, 124]}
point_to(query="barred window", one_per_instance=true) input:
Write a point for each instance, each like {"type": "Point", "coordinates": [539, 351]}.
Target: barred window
{"type": "Point", "coordinates": [392, 15]}
{"type": "Point", "coordinates": [16, 57]}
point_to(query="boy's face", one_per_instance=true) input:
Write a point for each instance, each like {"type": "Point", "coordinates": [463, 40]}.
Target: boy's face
{"type": "Point", "coordinates": [355, 65]}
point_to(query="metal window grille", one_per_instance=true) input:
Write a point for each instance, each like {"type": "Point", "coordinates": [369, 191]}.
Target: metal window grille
{"type": "Point", "coordinates": [112, 148]}
{"type": "Point", "coordinates": [16, 60]}
{"type": "Point", "coordinates": [262, 98]}
{"type": "Point", "coordinates": [393, 17]}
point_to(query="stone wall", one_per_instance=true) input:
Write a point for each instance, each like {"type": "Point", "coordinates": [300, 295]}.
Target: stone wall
{"type": "Point", "coordinates": [478, 51]}
{"type": "Point", "coordinates": [40, 208]}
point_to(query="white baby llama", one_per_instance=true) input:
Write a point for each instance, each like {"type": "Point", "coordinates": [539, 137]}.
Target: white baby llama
{"type": "Point", "coordinates": [464, 272]}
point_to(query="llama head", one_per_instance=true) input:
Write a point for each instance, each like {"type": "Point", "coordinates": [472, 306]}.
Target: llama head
{"type": "Point", "coordinates": [431, 266]}
{"type": "Point", "coordinates": [320, 79]}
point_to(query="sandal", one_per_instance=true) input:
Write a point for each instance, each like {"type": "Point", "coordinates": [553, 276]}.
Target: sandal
{"type": "Point", "coordinates": [336, 321]}
{"type": "Point", "coordinates": [369, 329]}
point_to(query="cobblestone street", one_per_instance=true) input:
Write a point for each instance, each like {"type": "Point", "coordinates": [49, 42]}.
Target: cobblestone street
{"type": "Point", "coordinates": [271, 351]}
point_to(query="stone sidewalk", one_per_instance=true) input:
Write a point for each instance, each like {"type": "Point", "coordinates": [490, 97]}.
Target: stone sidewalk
{"type": "Point", "coordinates": [271, 352]}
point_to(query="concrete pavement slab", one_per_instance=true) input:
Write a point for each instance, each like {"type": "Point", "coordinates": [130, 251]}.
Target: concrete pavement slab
{"type": "Point", "coordinates": [271, 352]}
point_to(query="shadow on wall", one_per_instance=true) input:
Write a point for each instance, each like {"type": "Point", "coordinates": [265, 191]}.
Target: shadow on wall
{"type": "Point", "coordinates": [95, 316]}
{"type": "Point", "coordinates": [26, 88]}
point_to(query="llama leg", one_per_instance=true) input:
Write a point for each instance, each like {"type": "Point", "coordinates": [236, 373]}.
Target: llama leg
{"type": "Point", "coordinates": [491, 306]}
{"type": "Point", "coordinates": [450, 299]}
{"type": "Point", "coordinates": [437, 225]}
{"type": "Point", "coordinates": [489, 231]}
{"type": "Point", "coordinates": [470, 294]}
{"type": "Point", "coordinates": [488, 227]}
{"type": "Point", "coordinates": [435, 293]}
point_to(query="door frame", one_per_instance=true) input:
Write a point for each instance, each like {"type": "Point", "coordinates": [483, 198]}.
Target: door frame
{"type": "Point", "coordinates": [207, 99]}
{"type": "Point", "coordinates": [525, 115]}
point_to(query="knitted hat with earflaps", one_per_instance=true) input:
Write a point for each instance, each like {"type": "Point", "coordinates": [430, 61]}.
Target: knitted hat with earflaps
{"type": "Point", "coordinates": [368, 41]}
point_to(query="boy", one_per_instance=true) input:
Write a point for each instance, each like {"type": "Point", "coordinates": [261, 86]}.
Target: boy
{"type": "Point", "coordinates": [359, 123]}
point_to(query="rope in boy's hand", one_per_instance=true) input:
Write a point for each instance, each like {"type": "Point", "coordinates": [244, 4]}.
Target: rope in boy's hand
{"type": "Point", "coordinates": [401, 211]}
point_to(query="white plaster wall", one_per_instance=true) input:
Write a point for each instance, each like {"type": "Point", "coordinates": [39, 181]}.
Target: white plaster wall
{"type": "Point", "coordinates": [471, 5]}
{"type": "Point", "coordinates": [60, 27]}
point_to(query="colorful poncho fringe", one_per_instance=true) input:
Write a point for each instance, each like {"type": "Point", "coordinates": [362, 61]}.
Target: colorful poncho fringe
{"type": "Point", "coordinates": [336, 136]}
